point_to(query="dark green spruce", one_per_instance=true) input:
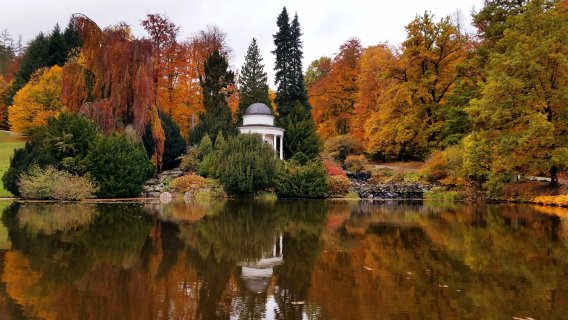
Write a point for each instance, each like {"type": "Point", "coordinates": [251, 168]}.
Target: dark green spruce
{"type": "Point", "coordinates": [44, 51]}
{"type": "Point", "coordinates": [253, 82]}
{"type": "Point", "coordinates": [291, 96]}
{"type": "Point", "coordinates": [217, 116]}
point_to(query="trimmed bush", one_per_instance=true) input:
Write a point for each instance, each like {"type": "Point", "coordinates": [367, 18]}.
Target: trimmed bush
{"type": "Point", "coordinates": [296, 181]}
{"type": "Point", "coordinates": [51, 183]}
{"type": "Point", "coordinates": [338, 186]}
{"type": "Point", "coordinates": [356, 163]}
{"type": "Point", "coordinates": [119, 166]}
{"type": "Point", "coordinates": [246, 165]}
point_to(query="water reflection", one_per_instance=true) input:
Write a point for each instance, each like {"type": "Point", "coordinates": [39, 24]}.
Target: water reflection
{"type": "Point", "coordinates": [283, 260]}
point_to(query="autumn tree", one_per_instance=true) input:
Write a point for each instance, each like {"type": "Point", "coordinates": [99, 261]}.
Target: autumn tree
{"type": "Point", "coordinates": [217, 116]}
{"type": "Point", "coordinates": [112, 81]}
{"type": "Point", "coordinates": [333, 96]}
{"type": "Point", "coordinates": [317, 69]}
{"type": "Point", "coordinates": [253, 85]}
{"type": "Point", "coordinates": [424, 75]}
{"type": "Point", "coordinates": [201, 46]}
{"type": "Point", "coordinates": [38, 100]}
{"type": "Point", "coordinates": [372, 81]}
{"type": "Point", "coordinates": [172, 77]}
{"type": "Point", "coordinates": [521, 119]}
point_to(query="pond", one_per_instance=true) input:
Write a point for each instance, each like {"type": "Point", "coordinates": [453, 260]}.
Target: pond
{"type": "Point", "coordinates": [283, 260]}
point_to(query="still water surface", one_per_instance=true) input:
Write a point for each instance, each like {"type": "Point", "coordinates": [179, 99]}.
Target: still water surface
{"type": "Point", "coordinates": [283, 260]}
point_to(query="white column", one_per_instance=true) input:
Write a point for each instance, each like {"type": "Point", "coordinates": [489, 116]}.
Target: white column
{"type": "Point", "coordinates": [274, 143]}
{"type": "Point", "coordinates": [282, 147]}
{"type": "Point", "coordinates": [263, 136]}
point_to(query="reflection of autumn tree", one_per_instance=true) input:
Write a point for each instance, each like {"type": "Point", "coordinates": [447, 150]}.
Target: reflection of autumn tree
{"type": "Point", "coordinates": [405, 259]}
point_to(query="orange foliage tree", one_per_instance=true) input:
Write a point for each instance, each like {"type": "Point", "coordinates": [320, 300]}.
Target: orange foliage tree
{"type": "Point", "coordinates": [38, 100]}
{"type": "Point", "coordinates": [333, 96]}
{"type": "Point", "coordinates": [178, 65]}
{"type": "Point", "coordinates": [112, 80]}
{"type": "Point", "coordinates": [410, 112]}
{"type": "Point", "coordinates": [372, 80]}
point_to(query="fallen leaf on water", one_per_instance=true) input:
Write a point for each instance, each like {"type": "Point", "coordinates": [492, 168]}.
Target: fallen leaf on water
{"type": "Point", "coordinates": [442, 285]}
{"type": "Point", "coordinates": [297, 302]}
{"type": "Point", "coordinates": [367, 268]}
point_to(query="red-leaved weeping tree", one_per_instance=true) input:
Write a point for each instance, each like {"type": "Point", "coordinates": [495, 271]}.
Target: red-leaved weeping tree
{"type": "Point", "coordinates": [111, 81]}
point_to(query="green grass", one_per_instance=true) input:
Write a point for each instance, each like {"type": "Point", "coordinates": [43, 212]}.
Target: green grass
{"type": "Point", "coordinates": [7, 145]}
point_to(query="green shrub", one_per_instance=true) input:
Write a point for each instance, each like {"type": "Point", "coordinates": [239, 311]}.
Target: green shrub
{"type": "Point", "coordinates": [205, 147]}
{"type": "Point", "coordinates": [356, 163]}
{"type": "Point", "coordinates": [214, 190]}
{"type": "Point", "coordinates": [51, 183]}
{"type": "Point", "coordinates": [63, 143]}
{"type": "Point", "coordinates": [189, 161]}
{"type": "Point", "coordinates": [246, 165]}
{"type": "Point", "coordinates": [442, 194]}
{"type": "Point", "coordinates": [338, 186]}
{"type": "Point", "coordinates": [339, 147]}
{"type": "Point", "coordinates": [120, 167]}
{"type": "Point", "coordinates": [352, 195]}
{"type": "Point", "coordinates": [266, 196]}
{"type": "Point", "coordinates": [300, 158]}
{"type": "Point", "coordinates": [296, 181]}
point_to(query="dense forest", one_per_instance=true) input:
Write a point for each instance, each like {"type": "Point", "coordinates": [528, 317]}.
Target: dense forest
{"type": "Point", "coordinates": [477, 107]}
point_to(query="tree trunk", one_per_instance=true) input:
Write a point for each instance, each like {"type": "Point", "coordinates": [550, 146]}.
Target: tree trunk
{"type": "Point", "coordinates": [554, 182]}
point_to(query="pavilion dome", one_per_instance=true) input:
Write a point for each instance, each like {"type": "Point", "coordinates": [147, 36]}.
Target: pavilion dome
{"type": "Point", "coordinates": [258, 108]}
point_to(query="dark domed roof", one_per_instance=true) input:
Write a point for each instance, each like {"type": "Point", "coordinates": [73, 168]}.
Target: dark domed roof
{"type": "Point", "coordinates": [258, 108]}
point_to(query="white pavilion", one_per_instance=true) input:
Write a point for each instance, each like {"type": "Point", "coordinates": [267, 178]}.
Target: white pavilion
{"type": "Point", "coordinates": [258, 118]}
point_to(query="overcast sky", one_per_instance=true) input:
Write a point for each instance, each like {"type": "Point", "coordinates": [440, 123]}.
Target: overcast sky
{"type": "Point", "coordinates": [326, 24]}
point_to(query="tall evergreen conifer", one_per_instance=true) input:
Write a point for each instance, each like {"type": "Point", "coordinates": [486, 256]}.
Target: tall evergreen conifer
{"type": "Point", "coordinates": [217, 116]}
{"type": "Point", "coordinates": [291, 96]}
{"type": "Point", "coordinates": [253, 85]}
{"type": "Point", "coordinates": [44, 51]}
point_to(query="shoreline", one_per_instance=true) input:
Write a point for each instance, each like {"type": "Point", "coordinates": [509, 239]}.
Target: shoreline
{"type": "Point", "coordinates": [157, 200]}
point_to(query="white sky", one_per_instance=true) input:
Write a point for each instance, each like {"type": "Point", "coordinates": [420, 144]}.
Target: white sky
{"type": "Point", "coordinates": [326, 24]}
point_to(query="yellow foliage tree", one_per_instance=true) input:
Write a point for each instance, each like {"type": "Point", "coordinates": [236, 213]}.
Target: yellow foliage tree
{"type": "Point", "coordinates": [37, 101]}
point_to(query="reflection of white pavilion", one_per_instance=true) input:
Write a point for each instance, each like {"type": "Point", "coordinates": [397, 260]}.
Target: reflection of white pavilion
{"type": "Point", "coordinates": [256, 275]}
{"type": "Point", "coordinates": [258, 118]}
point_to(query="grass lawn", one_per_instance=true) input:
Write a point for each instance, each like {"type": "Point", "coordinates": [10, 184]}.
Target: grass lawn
{"type": "Point", "coordinates": [8, 143]}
